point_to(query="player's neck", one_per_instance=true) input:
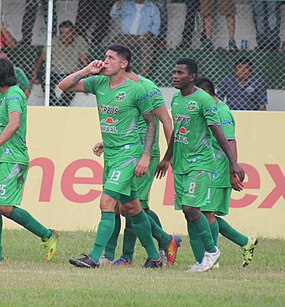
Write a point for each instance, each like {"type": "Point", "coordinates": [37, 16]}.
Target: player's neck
{"type": "Point", "coordinates": [117, 80]}
{"type": "Point", "coordinates": [4, 89]}
{"type": "Point", "coordinates": [189, 90]}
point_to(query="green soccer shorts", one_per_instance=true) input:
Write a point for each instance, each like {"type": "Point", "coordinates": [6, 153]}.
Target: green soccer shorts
{"type": "Point", "coordinates": [144, 183]}
{"type": "Point", "coordinates": [191, 189]}
{"type": "Point", "coordinates": [12, 180]}
{"type": "Point", "coordinates": [218, 201]}
{"type": "Point", "coordinates": [119, 180]}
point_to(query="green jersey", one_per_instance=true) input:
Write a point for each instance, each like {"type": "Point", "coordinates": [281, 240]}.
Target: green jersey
{"type": "Point", "coordinates": [221, 177]}
{"type": "Point", "coordinates": [157, 101]}
{"type": "Point", "coordinates": [119, 111]}
{"type": "Point", "coordinates": [192, 116]}
{"type": "Point", "coordinates": [14, 150]}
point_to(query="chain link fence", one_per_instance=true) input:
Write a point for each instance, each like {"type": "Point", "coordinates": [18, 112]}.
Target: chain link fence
{"type": "Point", "coordinates": [218, 34]}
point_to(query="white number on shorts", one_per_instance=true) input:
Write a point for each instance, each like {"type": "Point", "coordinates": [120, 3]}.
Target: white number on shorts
{"type": "Point", "coordinates": [2, 189]}
{"type": "Point", "coordinates": [115, 175]}
{"type": "Point", "coordinates": [192, 187]}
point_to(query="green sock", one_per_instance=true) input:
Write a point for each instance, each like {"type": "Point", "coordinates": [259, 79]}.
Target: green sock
{"type": "Point", "coordinates": [110, 248]}
{"type": "Point", "coordinates": [215, 231]}
{"type": "Point", "coordinates": [129, 240]}
{"type": "Point", "coordinates": [1, 226]}
{"type": "Point", "coordinates": [159, 234]}
{"type": "Point", "coordinates": [230, 233]}
{"type": "Point", "coordinates": [203, 229]}
{"type": "Point", "coordinates": [142, 229]}
{"type": "Point", "coordinates": [154, 216]}
{"type": "Point", "coordinates": [24, 218]}
{"type": "Point", "coordinates": [196, 243]}
{"type": "Point", "coordinates": [104, 233]}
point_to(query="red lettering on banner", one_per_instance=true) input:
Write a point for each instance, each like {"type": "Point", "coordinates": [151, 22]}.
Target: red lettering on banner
{"type": "Point", "coordinates": [279, 190]}
{"type": "Point", "coordinates": [169, 189]}
{"type": "Point", "coordinates": [69, 179]}
{"type": "Point", "coordinates": [47, 166]}
{"type": "Point", "coordinates": [253, 182]}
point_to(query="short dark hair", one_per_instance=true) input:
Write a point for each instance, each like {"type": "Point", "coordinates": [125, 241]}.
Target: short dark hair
{"type": "Point", "coordinates": [244, 60]}
{"type": "Point", "coordinates": [124, 52]}
{"type": "Point", "coordinates": [191, 65]}
{"type": "Point", "coordinates": [66, 24]}
{"type": "Point", "coordinates": [206, 84]}
{"type": "Point", "coordinates": [7, 74]}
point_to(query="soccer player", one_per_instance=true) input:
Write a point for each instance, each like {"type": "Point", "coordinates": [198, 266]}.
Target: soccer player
{"type": "Point", "coordinates": [218, 199]}
{"type": "Point", "coordinates": [195, 115]}
{"type": "Point", "coordinates": [120, 103]}
{"type": "Point", "coordinates": [14, 159]}
{"type": "Point", "coordinates": [166, 242]}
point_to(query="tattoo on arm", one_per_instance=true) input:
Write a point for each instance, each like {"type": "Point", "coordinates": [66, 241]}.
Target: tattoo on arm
{"type": "Point", "coordinates": [75, 80]}
{"type": "Point", "coordinates": [150, 132]}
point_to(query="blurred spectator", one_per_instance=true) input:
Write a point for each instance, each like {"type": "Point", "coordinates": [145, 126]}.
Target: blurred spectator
{"type": "Point", "coordinates": [29, 19]}
{"type": "Point", "coordinates": [69, 54]}
{"type": "Point", "coordinates": [140, 24]}
{"type": "Point", "coordinates": [267, 21]}
{"type": "Point", "coordinates": [93, 15]}
{"type": "Point", "coordinates": [192, 7]}
{"type": "Point", "coordinates": [21, 77]}
{"type": "Point", "coordinates": [226, 8]}
{"type": "Point", "coordinates": [162, 36]}
{"type": "Point", "coordinates": [243, 90]}
{"type": "Point", "coordinates": [6, 38]}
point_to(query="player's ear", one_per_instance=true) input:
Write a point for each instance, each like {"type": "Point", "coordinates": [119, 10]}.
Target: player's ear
{"type": "Point", "coordinates": [124, 64]}
{"type": "Point", "coordinates": [192, 77]}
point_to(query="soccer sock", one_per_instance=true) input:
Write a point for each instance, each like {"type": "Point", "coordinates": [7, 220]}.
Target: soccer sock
{"type": "Point", "coordinates": [1, 226]}
{"type": "Point", "coordinates": [159, 234]}
{"type": "Point", "coordinates": [230, 233]}
{"type": "Point", "coordinates": [203, 229]}
{"type": "Point", "coordinates": [215, 232]}
{"type": "Point", "coordinates": [24, 218]}
{"type": "Point", "coordinates": [110, 248]}
{"type": "Point", "coordinates": [142, 229]}
{"type": "Point", "coordinates": [104, 233]}
{"type": "Point", "coordinates": [129, 240]}
{"type": "Point", "coordinates": [195, 242]}
{"type": "Point", "coordinates": [154, 216]}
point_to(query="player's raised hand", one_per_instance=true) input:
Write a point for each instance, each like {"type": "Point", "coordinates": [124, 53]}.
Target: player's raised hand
{"type": "Point", "coordinates": [98, 149]}
{"type": "Point", "coordinates": [95, 67]}
{"type": "Point", "coordinates": [161, 169]}
{"type": "Point", "coordinates": [142, 166]}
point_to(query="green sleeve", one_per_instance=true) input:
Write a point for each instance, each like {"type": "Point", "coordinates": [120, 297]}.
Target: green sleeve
{"type": "Point", "coordinates": [22, 79]}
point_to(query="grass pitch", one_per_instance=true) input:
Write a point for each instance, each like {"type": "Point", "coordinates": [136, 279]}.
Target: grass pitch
{"type": "Point", "coordinates": [27, 280]}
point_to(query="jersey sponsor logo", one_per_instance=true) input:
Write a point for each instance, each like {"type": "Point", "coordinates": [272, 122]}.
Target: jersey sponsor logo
{"type": "Point", "coordinates": [227, 122]}
{"type": "Point", "coordinates": [211, 110]}
{"type": "Point", "coordinates": [181, 119]}
{"type": "Point", "coordinates": [108, 125]}
{"type": "Point", "coordinates": [180, 136]}
{"type": "Point", "coordinates": [108, 109]}
{"type": "Point", "coordinates": [194, 160]}
{"type": "Point", "coordinates": [7, 151]}
{"type": "Point", "coordinates": [192, 105]}
{"type": "Point", "coordinates": [121, 96]}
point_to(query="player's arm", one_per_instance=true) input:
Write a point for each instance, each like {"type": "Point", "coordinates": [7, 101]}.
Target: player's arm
{"type": "Point", "coordinates": [74, 82]}
{"type": "Point", "coordinates": [37, 66]}
{"type": "Point", "coordinates": [235, 168]}
{"type": "Point", "coordinates": [163, 165]}
{"type": "Point", "coordinates": [10, 39]}
{"type": "Point", "coordinates": [143, 164]}
{"type": "Point", "coordinates": [166, 121]}
{"type": "Point", "coordinates": [11, 128]}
